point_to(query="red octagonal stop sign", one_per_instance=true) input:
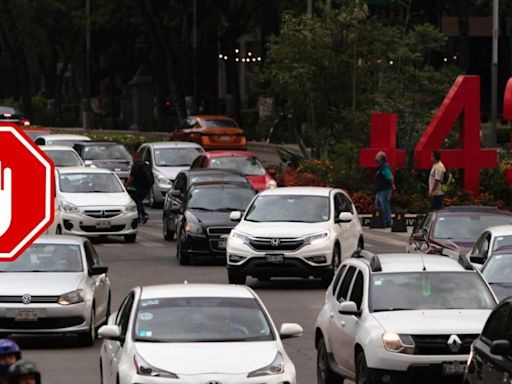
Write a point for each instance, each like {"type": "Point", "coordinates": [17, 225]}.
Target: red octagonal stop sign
{"type": "Point", "coordinates": [26, 192]}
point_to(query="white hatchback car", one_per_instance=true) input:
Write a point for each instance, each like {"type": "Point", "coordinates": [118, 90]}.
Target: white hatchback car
{"type": "Point", "coordinates": [293, 232]}
{"type": "Point", "coordinates": [492, 239]}
{"type": "Point", "coordinates": [62, 156]}
{"type": "Point", "coordinates": [93, 202]}
{"type": "Point", "coordinates": [60, 139]}
{"type": "Point", "coordinates": [57, 286]}
{"type": "Point", "coordinates": [195, 333]}
{"type": "Point", "coordinates": [397, 317]}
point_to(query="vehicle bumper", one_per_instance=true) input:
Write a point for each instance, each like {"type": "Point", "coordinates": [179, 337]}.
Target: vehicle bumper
{"type": "Point", "coordinates": [209, 143]}
{"type": "Point", "coordinates": [203, 245]}
{"type": "Point", "coordinates": [83, 225]}
{"type": "Point", "coordinates": [286, 378]}
{"type": "Point", "coordinates": [52, 318]}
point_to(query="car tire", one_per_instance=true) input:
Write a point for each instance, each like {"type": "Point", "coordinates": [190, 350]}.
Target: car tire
{"type": "Point", "coordinates": [335, 263]}
{"type": "Point", "coordinates": [362, 372]}
{"type": "Point", "coordinates": [130, 238]}
{"type": "Point", "coordinates": [183, 255]}
{"type": "Point", "coordinates": [236, 277]}
{"type": "Point", "coordinates": [88, 338]}
{"type": "Point", "coordinates": [323, 371]}
{"type": "Point", "coordinates": [168, 234]}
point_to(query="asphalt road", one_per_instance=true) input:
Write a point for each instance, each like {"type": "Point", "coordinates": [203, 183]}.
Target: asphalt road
{"type": "Point", "coordinates": [153, 261]}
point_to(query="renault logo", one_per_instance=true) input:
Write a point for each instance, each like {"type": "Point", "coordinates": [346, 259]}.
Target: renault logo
{"type": "Point", "coordinates": [454, 343]}
{"type": "Point", "coordinates": [275, 242]}
{"type": "Point", "coordinates": [26, 299]}
{"type": "Point", "coordinates": [214, 382]}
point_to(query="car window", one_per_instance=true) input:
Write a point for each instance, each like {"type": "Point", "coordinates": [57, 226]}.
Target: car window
{"type": "Point", "coordinates": [93, 254]}
{"type": "Point", "coordinates": [123, 316]}
{"type": "Point", "coordinates": [356, 295]}
{"type": "Point", "coordinates": [337, 279]}
{"type": "Point", "coordinates": [478, 245]}
{"type": "Point", "coordinates": [493, 329]}
{"type": "Point", "coordinates": [467, 226]}
{"type": "Point", "coordinates": [341, 204]}
{"type": "Point", "coordinates": [197, 162]}
{"type": "Point", "coordinates": [147, 156]}
{"type": "Point", "coordinates": [345, 284]}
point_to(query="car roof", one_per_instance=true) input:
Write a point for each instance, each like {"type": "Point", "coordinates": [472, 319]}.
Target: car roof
{"type": "Point", "coordinates": [56, 148]}
{"type": "Point", "coordinates": [84, 170]}
{"type": "Point", "coordinates": [219, 153]}
{"type": "Point", "coordinates": [195, 290]}
{"type": "Point", "coordinates": [64, 136]}
{"type": "Point", "coordinates": [500, 230]}
{"type": "Point", "coordinates": [173, 144]}
{"type": "Point", "coordinates": [60, 239]}
{"type": "Point", "coordinates": [416, 262]}
{"type": "Point", "coordinates": [303, 191]}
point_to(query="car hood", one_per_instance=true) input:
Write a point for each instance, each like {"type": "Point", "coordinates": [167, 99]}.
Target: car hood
{"type": "Point", "coordinates": [171, 172]}
{"type": "Point", "coordinates": [39, 283]}
{"type": "Point", "coordinates": [259, 183]}
{"type": "Point", "coordinates": [433, 322]}
{"type": "Point", "coordinates": [113, 165]}
{"type": "Point", "coordinates": [97, 199]}
{"type": "Point", "coordinates": [198, 358]}
{"type": "Point", "coordinates": [281, 229]}
{"type": "Point", "coordinates": [208, 219]}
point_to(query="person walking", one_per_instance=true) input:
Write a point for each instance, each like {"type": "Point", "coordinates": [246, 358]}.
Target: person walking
{"type": "Point", "coordinates": [9, 354]}
{"type": "Point", "coordinates": [138, 184]}
{"type": "Point", "coordinates": [384, 185]}
{"type": "Point", "coordinates": [435, 182]}
{"type": "Point", "coordinates": [24, 372]}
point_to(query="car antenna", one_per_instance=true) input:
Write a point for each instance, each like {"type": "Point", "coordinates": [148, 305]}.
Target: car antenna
{"type": "Point", "coordinates": [423, 262]}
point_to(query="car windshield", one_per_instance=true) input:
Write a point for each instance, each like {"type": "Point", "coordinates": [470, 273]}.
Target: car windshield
{"type": "Point", "coordinates": [220, 198]}
{"type": "Point", "coordinates": [249, 166]}
{"type": "Point", "coordinates": [64, 158]}
{"type": "Point", "coordinates": [63, 142]}
{"type": "Point", "coordinates": [220, 123]}
{"type": "Point", "coordinates": [217, 177]}
{"type": "Point", "coordinates": [89, 183]}
{"type": "Point", "coordinates": [468, 226]}
{"type": "Point", "coordinates": [7, 110]}
{"type": "Point", "coordinates": [502, 242]}
{"type": "Point", "coordinates": [298, 208]}
{"type": "Point", "coordinates": [201, 319]}
{"type": "Point", "coordinates": [47, 258]}
{"type": "Point", "coordinates": [175, 157]}
{"type": "Point", "coordinates": [105, 152]}
{"type": "Point", "coordinates": [429, 290]}
{"type": "Point", "coordinates": [498, 269]}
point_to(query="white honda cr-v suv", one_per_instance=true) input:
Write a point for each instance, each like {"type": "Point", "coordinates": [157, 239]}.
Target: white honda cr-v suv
{"type": "Point", "coordinates": [396, 317]}
{"type": "Point", "coordinates": [293, 232]}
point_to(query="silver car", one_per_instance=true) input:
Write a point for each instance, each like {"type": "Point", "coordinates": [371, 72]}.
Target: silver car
{"type": "Point", "coordinates": [57, 286]}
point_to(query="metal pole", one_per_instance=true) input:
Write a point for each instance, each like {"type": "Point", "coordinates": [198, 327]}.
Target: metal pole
{"type": "Point", "coordinates": [310, 8]}
{"type": "Point", "coordinates": [494, 72]}
{"type": "Point", "coordinates": [87, 63]}
{"type": "Point", "coordinates": [194, 64]}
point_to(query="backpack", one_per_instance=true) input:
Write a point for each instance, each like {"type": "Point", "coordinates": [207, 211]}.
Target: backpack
{"type": "Point", "coordinates": [149, 178]}
{"type": "Point", "coordinates": [447, 180]}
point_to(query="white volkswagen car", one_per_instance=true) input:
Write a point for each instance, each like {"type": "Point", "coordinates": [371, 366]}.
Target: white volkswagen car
{"type": "Point", "coordinates": [293, 232]}
{"type": "Point", "coordinates": [62, 156]}
{"type": "Point", "coordinates": [57, 286]}
{"type": "Point", "coordinates": [195, 333]}
{"type": "Point", "coordinates": [93, 202]}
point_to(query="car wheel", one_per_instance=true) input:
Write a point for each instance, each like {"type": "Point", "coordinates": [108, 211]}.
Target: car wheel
{"type": "Point", "coordinates": [335, 262]}
{"type": "Point", "coordinates": [362, 373]}
{"type": "Point", "coordinates": [130, 238]}
{"type": "Point", "coordinates": [88, 338]}
{"type": "Point", "coordinates": [183, 256]}
{"type": "Point", "coordinates": [236, 277]}
{"type": "Point", "coordinates": [168, 234]}
{"type": "Point", "coordinates": [323, 371]}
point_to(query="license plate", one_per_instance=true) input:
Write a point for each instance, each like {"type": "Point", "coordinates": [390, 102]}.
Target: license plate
{"type": "Point", "coordinates": [103, 224]}
{"type": "Point", "coordinates": [225, 137]}
{"type": "Point", "coordinates": [453, 369]}
{"type": "Point", "coordinates": [222, 244]}
{"type": "Point", "coordinates": [25, 315]}
{"type": "Point", "coordinates": [274, 259]}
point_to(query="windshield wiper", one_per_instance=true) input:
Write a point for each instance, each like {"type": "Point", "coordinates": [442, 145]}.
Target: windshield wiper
{"type": "Point", "coordinates": [201, 209]}
{"type": "Point", "coordinates": [227, 209]}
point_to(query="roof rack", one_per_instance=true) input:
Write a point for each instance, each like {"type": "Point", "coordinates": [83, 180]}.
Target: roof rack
{"type": "Point", "coordinates": [373, 259]}
{"type": "Point", "coordinates": [470, 208]}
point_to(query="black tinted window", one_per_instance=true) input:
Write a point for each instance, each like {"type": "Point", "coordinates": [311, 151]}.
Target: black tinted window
{"type": "Point", "coordinates": [494, 328]}
{"type": "Point", "coordinates": [338, 278]}
{"type": "Point", "coordinates": [357, 290]}
{"type": "Point", "coordinates": [345, 284]}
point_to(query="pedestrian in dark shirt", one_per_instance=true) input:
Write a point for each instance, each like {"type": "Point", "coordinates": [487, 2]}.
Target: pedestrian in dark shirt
{"type": "Point", "coordinates": [384, 184]}
{"type": "Point", "coordinates": [138, 184]}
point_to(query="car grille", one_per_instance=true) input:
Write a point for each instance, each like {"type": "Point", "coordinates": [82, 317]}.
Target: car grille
{"type": "Point", "coordinates": [217, 235]}
{"type": "Point", "coordinates": [438, 344]}
{"type": "Point", "coordinates": [34, 299]}
{"type": "Point", "coordinates": [102, 213]}
{"type": "Point", "coordinates": [275, 244]}
{"type": "Point", "coordinates": [42, 323]}
{"type": "Point", "coordinates": [93, 229]}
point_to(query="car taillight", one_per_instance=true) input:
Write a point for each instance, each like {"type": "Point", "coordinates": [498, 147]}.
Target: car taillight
{"type": "Point", "coordinates": [24, 122]}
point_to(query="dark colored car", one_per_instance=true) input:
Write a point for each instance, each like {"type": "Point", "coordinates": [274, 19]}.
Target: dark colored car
{"type": "Point", "coordinates": [105, 154]}
{"type": "Point", "coordinates": [12, 115]}
{"type": "Point", "coordinates": [454, 228]}
{"type": "Point", "coordinates": [490, 360]}
{"type": "Point", "coordinates": [497, 270]}
{"type": "Point", "coordinates": [184, 180]}
{"type": "Point", "coordinates": [203, 224]}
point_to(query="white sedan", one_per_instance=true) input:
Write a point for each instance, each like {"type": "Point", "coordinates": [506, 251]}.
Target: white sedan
{"type": "Point", "coordinates": [93, 202]}
{"type": "Point", "coordinates": [194, 333]}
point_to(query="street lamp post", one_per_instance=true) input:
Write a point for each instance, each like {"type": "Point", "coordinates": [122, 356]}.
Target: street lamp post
{"type": "Point", "coordinates": [87, 106]}
{"type": "Point", "coordinates": [494, 71]}
{"type": "Point", "coordinates": [194, 59]}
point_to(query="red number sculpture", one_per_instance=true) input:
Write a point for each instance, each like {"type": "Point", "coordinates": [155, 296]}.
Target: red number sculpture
{"type": "Point", "coordinates": [382, 138]}
{"type": "Point", "coordinates": [462, 100]}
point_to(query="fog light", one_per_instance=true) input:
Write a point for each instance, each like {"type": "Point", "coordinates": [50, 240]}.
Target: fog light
{"type": "Point", "coordinates": [317, 259]}
{"type": "Point", "coordinates": [386, 379]}
{"type": "Point", "coordinates": [236, 258]}
{"type": "Point", "coordinates": [68, 225]}
{"type": "Point", "coordinates": [135, 223]}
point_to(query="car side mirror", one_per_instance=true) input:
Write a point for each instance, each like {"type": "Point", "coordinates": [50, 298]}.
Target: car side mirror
{"type": "Point", "coordinates": [235, 216]}
{"type": "Point", "coordinates": [98, 270]}
{"type": "Point", "coordinates": [175, 193]}
{"type": "Point", "coordinates": [500, 347]}
{"type": "Point", "coordinates": [477, 259]}
{"type": "Point", "coordinates": [349, 308]}
{"type": "Point", "coordinates": [290, 330]}
{"type": "Point", "coordinates": [110, 332]}
{"type": "Point", "coordinates": [88, 163]}
{"type": "Point", "coordinates": [345, 217]}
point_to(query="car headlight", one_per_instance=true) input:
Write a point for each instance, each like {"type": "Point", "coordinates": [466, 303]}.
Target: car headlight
{"type": "Point", "coordinates": [271, 184]}
{"type": "Point", "coordinates": [193, 228]}
{"type": "Point", "coordinates": [144, 369]}
{"type": "Point", "coordinates": [131, 207]}
{"type": "Point", "coordinates": [317, 237]}
{"type": "Point", "coordinates": [68, 207]}
{"type": "Point", "coordinates": [275, 368]}
{"type": "Point", "coordinates": [394, 342]}
{"type": "Point", "coordinates": [240, 236]}
{"type": "Point", "coordinates": [161, 179]}
{"type": "Point", "coordinates": [74, 297]}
